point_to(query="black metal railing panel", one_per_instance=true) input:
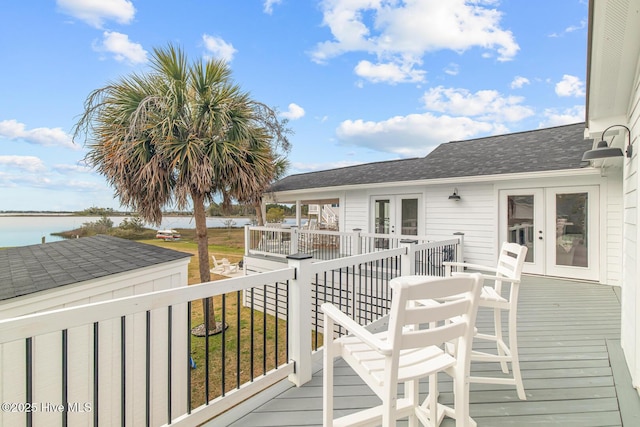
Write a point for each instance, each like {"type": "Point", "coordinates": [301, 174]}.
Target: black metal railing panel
{"type": "Point", "coordinates": [360, 290]}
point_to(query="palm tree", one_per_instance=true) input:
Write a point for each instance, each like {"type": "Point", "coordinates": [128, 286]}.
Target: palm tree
{"type": "Point", "coordinates": [182, 133]}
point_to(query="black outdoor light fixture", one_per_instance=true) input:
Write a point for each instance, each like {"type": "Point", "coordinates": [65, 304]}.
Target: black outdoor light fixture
{"type": "Point", "coordinates": [603, 151]}
{"type": "Point", "coordinates": [455, 195]}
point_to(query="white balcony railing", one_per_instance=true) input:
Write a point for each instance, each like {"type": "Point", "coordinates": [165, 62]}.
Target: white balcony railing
{"type": "Point", "coordinates": [322, 244]}
{"type": "Point", "coordinates": [128, 360]}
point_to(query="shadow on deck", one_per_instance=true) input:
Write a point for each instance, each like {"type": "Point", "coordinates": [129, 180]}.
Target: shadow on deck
{"type": "Point", "coordinates": [572, 364]}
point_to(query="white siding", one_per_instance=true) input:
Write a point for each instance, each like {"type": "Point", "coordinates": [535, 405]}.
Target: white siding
{"type": "Point", "coordinates": [475, 215]}
{"type": "Point", "coordinates": [612, 238]}
{"type": "Point", "coordinates": [356, 211]}
{"type": "Point", "coordinates": [630, 328]}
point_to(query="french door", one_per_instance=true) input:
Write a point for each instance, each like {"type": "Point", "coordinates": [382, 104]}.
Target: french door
{"type": "Point", "coordinates": [395, 214]}
{"type": "Point", "coordinates": [559, 226]}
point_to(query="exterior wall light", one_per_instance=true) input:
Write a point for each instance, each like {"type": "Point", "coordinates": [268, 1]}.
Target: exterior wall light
{"type": "Point", "coordinates": [603, 151]}
{"type": "Point", "coordinates": [455, 195]}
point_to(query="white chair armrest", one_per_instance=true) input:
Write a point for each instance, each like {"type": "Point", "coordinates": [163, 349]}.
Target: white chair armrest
{"type": "Point", "coordinates": [352, 326]}
{"type": "Point", "coordinates": [502, 278]}
{"type": "Point", "coordinates": [490, 277]}
{"type": "Point", "coordinates": [471, 266]}
{"type": "Point", "coordinates": [454, 263]}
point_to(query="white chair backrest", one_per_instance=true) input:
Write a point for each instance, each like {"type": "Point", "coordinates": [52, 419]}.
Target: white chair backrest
{"type": "Point", "coordinates": [511, 260]}
{"type": "Point", "coordinates": [405, 314]}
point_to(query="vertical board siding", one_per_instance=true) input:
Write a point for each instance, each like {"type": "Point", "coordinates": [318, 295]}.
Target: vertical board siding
{"type": "Point", "coordinates": [356, 211]}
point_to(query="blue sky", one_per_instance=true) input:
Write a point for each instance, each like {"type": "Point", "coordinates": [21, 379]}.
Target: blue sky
{"type": "Point", "coordinates": [359, 80]}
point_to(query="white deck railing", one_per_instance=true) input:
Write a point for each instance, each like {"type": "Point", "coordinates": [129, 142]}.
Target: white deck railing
{"type": "Point", "coordinates": [280, 242]}
{"type": "Point", "coordinates": [126, 361]}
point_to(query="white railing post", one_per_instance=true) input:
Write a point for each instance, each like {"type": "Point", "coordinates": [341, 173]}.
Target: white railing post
{"type": "Point", "coordinates": [293, 248]}
{"type": "Point", "coordinates": [459, 249]}
{"type": "Point", "coordinates": [299, 324]}
{"type": "Point", "coordinates": [247, 239]}
{"type": "Point", "coordinates": [357, 241]}
{"type": "Point", "coordinates": [408, 260]}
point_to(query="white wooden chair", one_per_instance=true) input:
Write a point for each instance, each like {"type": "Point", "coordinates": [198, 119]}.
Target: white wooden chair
{"type": "Point", "coordinates": [507, 271]}
{"type": "Point", "coordinates": [228, 266]}
{"type": "Point", "coordinates": [406, 352]}
{"type": "Point", "coordinates": [218, 267]}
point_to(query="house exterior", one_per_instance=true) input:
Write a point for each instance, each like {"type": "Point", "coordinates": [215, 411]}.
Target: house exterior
{"type": "Point", "coordinates": [531, 181]}
{"type": "Point", "coordinates": [71, 273]}
{"type": "Point", "coordinates": [528, 187]}
{"type": "Point", "coordinates": [613, 99]}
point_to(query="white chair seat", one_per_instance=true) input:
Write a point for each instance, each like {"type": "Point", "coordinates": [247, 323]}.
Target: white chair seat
{"type": "Point", "coordinates": [490, 294]}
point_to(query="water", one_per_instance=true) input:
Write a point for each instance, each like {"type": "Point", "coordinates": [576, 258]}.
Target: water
{"type": "Point", "coordinates": [30, 229]}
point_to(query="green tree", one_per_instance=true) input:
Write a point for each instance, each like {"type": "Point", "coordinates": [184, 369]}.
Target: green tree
{"type": "Point", "coordinates": [179, 135]}
{"type": "Point", "coordinates": [275, 214]}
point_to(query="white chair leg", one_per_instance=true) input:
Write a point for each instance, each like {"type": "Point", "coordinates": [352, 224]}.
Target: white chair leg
{"type": "Point", "coordinates": [497, 324]}
{"type": "Point", "coordinates": [411, 391]}
{"type": "Point", "coordinates": [434, 416]}
{"type": "Point", "coordinates": [515, 357]}
{"type": "Point", "coordinates": [461, 401]}
{"type": "Point", "coordinates": [327, 375]}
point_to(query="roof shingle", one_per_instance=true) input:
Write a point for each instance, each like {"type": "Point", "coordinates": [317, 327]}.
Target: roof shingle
{"type": "Point", "coordinates": [549, 149]}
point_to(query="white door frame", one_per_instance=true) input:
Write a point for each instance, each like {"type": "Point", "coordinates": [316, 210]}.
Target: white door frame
{"type": "Point", "coordinates": [536, 239]}
{"type": "Point", "coordinates": [592, 246]}
{"type": "Point", "coordinates": [395, 211]}
{"type": "Point", "coordinates": [543, 242]}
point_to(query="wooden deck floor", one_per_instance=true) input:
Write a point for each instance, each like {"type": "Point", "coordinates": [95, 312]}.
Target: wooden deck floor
{"type": "Point", "coordinates": [572, 363]}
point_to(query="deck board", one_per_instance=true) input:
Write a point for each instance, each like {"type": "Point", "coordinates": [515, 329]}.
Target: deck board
{"type": "Point", "coordinates": [565, 331]}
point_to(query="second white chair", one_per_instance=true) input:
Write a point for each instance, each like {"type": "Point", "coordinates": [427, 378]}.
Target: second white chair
{"type": "Point", "coordinates": [407, 352]}
{"type": "Point", "coordinates": [507, 272]}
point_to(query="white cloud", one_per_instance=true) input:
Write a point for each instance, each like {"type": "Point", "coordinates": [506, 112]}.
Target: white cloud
{"type": "Point", "coordinates": [570, 86]}
{"type": "Point", "coordinates": [23, 163]}
{"type": "Point", "coordinates": [48, 137]}
{"type": "Point", "coordinates": [572, 28]}
{"type": "Point", "coordinates": [389, 72]}
{"type": "Point", "coordinates": [581, 26]}
{"type": "Point", "coordinates": [403, 32]}
{"type": "Point", "coordinates": [122, 48]}
{"type": "Point", "coordinates": [485, 104]}
{"type": "Point", "coordinates": [295, 112]}
{"type": "Point", "coordinates": [519, 81]}
{"type": "Point", "coordinates": [66, 168]}
{"type": "Point", "coordinates": [96, 12]}
{"type": "Point", "coordinates": [555, 117]}
{"type": "Point", "coordinates": [268, 5]}
{"type": "Point", "coordinates": [412, 135]}
{"type": "Point", "coordinates": [219, 48]}
{"type": "Point", "coordinates": [452, 69]}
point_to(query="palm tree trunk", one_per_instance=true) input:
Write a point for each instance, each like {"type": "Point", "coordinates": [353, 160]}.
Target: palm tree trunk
{"type": "Point", "coordinates": [258, 207]}
{"type": "Point", "coordinates": [203, 256]}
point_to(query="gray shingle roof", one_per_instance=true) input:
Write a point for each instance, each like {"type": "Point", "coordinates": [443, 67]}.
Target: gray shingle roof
{"type": "Point", "coordinates": [28, 269]}
{"type": "Point", "coordinates": [548, 149]}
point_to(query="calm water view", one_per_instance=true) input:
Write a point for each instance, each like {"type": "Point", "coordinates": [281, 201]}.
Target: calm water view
{"type": "Point", "coordinates": [29, 229]}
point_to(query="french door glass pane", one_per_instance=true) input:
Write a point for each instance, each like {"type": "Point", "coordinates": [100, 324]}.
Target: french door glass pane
{"type": "Point", "coordinates": [571, 229]}
{"type": "Point", "coordinates": [410, 217]}
{"type": "Point", "coordinates": [520, 223]}
{"type": "Point", "coordinates": [381, 219]}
